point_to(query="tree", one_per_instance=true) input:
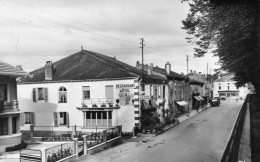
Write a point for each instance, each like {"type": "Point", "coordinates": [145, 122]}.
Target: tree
{"type": "Point", "coordinates": [228, 29]}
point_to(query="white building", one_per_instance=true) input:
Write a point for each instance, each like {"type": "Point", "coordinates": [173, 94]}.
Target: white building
{"type": "Point", "coordinates": [225, 86]}
{"type": "Point", "coordinates": [86, 89]}
{"type": "Point", "coordinates": [9, 108]}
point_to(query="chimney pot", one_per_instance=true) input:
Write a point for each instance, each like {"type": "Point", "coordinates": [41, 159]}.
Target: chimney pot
{"type": "Point", "coordinates": [48, 70]}
{"type": "Point", "coordinates": [191, 71]}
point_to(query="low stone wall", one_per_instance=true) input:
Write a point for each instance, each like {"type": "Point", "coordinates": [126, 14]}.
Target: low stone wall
{"type": "Point", "coordinates": [69, 159]}
{"type": "Point", "coordinates": [104, 145]}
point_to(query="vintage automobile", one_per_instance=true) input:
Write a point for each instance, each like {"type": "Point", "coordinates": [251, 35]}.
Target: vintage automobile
{"type": "Point", "coordinates": [215, 101]}
{"type": "Point", "coordinates": [223, 97]}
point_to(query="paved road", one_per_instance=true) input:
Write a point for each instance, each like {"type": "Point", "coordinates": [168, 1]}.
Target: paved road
{"type": "Point", "coordinates": [201, 138]}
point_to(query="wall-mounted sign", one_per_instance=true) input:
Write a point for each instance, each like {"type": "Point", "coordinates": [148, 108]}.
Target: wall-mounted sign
{"type": "Point", "coordinates": [128, 86]}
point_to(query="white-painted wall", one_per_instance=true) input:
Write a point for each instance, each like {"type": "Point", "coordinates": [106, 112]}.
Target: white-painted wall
{"type": "Point", "coordinates": [44, 110]}
{"type": "Point", "coordinates": [243, 91]}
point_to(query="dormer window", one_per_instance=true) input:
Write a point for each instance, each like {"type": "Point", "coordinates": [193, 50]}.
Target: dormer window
{"type": "Point", "coordinates": [62, 95]}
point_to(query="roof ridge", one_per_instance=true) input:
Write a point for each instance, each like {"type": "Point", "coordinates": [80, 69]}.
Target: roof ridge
{"type": "Point", "coordinates": [92, 53]}
{"type": "Point", "coordinates": [56, 61]}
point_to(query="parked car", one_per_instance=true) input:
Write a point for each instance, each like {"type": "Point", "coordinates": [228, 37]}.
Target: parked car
{"type": "Point", "coordinates": [223, 97]}
{"type": "Point", "coordinates": [215, 101]}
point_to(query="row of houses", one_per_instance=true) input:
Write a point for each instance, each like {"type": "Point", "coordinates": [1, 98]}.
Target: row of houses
{"type": "Point", "coordinates": [93, 92]}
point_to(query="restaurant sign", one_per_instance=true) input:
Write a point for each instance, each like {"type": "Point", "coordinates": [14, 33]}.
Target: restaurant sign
{"type": "Point", "coordinates": [128, 86]}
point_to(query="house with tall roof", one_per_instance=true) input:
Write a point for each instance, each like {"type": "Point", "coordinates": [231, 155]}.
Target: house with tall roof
{"type": "Point", "coordinates": [9, 107]}
{"type": "Point", "coordinates": [226, 86]}
{"type": "Point", "coordinates": [86, 89]}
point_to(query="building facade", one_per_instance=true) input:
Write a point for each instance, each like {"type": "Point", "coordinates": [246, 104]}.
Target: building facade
{"type": "Point", "coordinates": [86, 89]}
{"type": "Point", "coordinates": [225, 86]}
{"type": "Point", "coordinates": [9, 108]}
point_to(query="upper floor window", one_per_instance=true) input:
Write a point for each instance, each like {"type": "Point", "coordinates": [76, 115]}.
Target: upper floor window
{"type": "Point", "coordinates": [62, 95]}
{"type": "Point", "coordinates": [86, 92]}
{"type": "Point", "coordinates": [219, 87]}
{"type": "Point", "coordinates": [40, 94]}
{"type": "Point", "coordinates": [228, 87]}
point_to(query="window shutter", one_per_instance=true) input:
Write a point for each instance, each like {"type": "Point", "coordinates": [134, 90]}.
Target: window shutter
{"type": "Point", "coordinates": [67, 119]}
{"type": "Point", "coordinates": [22, 119]}
{"type": "Point", "coordinates": [55, 115]}
{"type": "Point", "coordinates": [32, 118]}
{"type": "Point", "coordinates": [34, 94]}
{"type": "Point", "coordinates": [46, 94]}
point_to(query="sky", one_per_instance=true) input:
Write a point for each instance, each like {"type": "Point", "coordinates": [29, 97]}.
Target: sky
{"type": "Point", "coordinates": [35, 31]}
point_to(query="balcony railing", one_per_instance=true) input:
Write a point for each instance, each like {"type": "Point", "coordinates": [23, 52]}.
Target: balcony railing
{"type": "Point", "coordinates": [9, 106]}
{"type": "Point", "coordinates": [100, 102]}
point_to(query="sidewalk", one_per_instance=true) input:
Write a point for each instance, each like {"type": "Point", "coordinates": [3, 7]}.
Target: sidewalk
{"type": "Point", "coordinates": [129, 144]}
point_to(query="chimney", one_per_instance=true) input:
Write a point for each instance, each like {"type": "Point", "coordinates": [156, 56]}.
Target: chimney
{"type": "Point", "coordinates": [151, 66]}
{"type": "Point", "coordinates": [149, 71]}
{"type": "Point", "coordinates": [168, 68]}
{"type": "Point", "coordinates": [19, 67]}
{"type": "Point", "coordinates": [48, 70]}
{"type": "Point", "coordinates": [191, 71]}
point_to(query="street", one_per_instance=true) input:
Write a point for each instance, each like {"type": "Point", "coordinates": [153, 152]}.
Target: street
{"type": "Point", "coordinates": [200, 138]}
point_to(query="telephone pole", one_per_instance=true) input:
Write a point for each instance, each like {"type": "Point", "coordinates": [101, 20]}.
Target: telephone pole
{"type": "Point", "coordinates": [187, 59]}
{"type": "Point", "coordinates": [142, 46]}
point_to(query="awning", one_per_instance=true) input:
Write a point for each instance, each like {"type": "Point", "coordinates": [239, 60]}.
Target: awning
{"type": "Point", "coordinates": [153, 104]}
{"type": "Point", "coordinates": [182, 103]}
{"type": "Point", "coordinates": [197, 98]}
{"type": "Point", "coordinates": [201, 98]}
{"type": "Point", "coordinates": [145, 106]}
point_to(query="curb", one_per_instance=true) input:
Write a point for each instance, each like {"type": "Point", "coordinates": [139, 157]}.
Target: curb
{"type": "Point", "coordinates": [180, 122]}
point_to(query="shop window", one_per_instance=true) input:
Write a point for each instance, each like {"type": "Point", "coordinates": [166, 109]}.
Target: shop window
{"type": "Point", "coordinates": [97, 118]}
{"type": "Point", "coordinates": [62, 95]}
{"type": "Point", "coordinates": [86, 92]}
{"type": "Point", "coordinates": [40, 94]}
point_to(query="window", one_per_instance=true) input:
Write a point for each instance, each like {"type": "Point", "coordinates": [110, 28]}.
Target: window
{"type": "Point", "coordinates": [3, 126]}
{"type": "Point", "coordinates": [27, 118]}
{"type": "Point", "coordinates": [97, 118]}
{"type": "Point", "coordinates": [219, 87]}
{"type": "Point", "coordinates": [61, 119]}
{"type": "Point", "coordinates": [228, 87]}
{"type": "Point", "coordinates": [109, 94]}
{"type": "Point", "coordinates": [62, 95]}
{"type": "Point", "coordinates": [40, 94]}
{"type": "Point", "coordinates": [3, 92]}
{"type": "Point", "coordinates": [86, 92]}
{"type": "Point", "coordinates": [155, 92]}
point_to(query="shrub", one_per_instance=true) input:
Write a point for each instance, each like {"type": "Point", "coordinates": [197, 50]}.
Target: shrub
{"type": "Point", "coordinates": [20, 146]}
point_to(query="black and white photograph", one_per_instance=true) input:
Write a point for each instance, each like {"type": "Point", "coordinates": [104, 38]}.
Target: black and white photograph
{"type": "Point", "coordinates": [130, 80]}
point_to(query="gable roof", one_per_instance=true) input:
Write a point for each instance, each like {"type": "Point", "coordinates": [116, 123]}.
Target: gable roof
{"type": "Point", "coordinates": [172, 73]}
{"type": "Point", "coordinates": [7, 69]}
{"type": "Point", "coordinates": [226, 78]}
{"type": "Point", "coordinates": [87, 65]}
{"type": "Point", "coordinates": [162, 71]}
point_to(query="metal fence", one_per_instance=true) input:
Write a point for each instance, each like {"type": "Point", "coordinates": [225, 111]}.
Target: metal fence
{"type": "Point", "coordinates": [61, 151]}
{"type": "Point", "coordinates": [230, 153]}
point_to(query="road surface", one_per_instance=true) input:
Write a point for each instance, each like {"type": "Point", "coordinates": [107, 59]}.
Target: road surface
{"type": "Point", "coordinates": [201, 138]}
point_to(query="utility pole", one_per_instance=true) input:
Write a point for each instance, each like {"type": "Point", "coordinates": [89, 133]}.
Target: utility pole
{"type": "Point", "coordinates": [207, 85]}
{"type": "Point", "coordinates": [187, 59]}
{"type": "Point", "coordinates": [142, 46]}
